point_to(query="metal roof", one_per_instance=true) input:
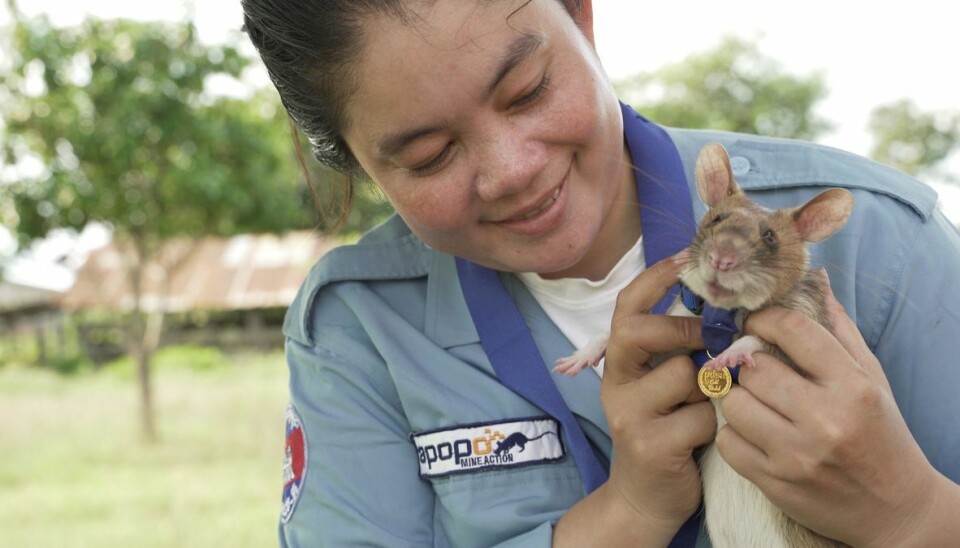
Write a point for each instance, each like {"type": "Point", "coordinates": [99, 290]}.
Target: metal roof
{"type": "Point", "coordinates": [239, 273]}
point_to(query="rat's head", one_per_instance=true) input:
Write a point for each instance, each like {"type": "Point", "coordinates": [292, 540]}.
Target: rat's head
{"type": "Point", "coordinates": [744, 255]}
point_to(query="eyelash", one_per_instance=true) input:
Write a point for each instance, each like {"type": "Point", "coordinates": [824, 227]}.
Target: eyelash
{"type": "Point", "coordinates": [535, 94]}
{"type": "Point", "coordinates": [436, 163]}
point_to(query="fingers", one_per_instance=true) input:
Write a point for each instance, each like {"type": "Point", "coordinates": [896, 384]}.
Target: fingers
{"type": "Point", "coordinates": [646, 290]}
{"type": "Point", "coordinates": [696, 425]}
{"type": "Point", "coordinates": [746, 458]}
{"type": "Point", "coordinates": [635, 339]}
{"type": "Point", "coordinates": [671, 384]}
{"type": "Point", "coordinates": [814, 349]}
{"type": "Point", "coordinates": [775, 384]}
{"type": "Point", "coordinates": [668, 393]}
{"type": "Point", "coordinates": [752, 418]}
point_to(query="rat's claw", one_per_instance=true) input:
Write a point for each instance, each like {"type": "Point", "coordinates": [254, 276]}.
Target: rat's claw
{"type": "Point", "coordinates": [571, 365]}
{"type": "Point", "coordinates": [588, 356]}
{"type": "Point", "coordinates": [740, 353]}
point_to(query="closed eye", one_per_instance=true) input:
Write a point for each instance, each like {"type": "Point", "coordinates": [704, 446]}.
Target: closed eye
{"type": "Point", "coordinates": [434, 164]}
{"type": "Point", "coordinates": [534, 94]}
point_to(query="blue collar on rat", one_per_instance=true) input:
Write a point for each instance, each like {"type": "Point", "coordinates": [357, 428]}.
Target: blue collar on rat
{"type": "Point", "coordinates": [718, 330]}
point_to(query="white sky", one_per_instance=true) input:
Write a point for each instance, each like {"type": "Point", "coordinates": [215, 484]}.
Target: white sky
{"type": "Point", "coordinates": [870, 54]}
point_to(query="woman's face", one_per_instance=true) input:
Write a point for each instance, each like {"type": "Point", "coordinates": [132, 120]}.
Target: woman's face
{"type": "Point", "coordinates": [493, 131]}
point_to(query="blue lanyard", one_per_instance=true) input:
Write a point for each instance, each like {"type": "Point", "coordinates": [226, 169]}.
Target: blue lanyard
{"type": "Point", "coordinates": [667, 221]}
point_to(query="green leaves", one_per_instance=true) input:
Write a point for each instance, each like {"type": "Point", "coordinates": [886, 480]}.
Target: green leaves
{"type": "Point", "coordinates": [910, 139]}
{"type": "Point", "coordinates": [118, 116]}
{"type": "Point", "coordinates": [733, 87]}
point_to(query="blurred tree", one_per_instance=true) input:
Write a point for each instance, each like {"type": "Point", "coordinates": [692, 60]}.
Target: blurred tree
{"type": "Point", "coordinates": [912, 140]}
{"type": "Point", "coordinates": [733, 87]}
{"type": "Point", "coordinates": [112, 122]}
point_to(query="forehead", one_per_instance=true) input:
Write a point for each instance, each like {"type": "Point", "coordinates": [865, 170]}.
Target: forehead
{"type": "Point", "coordinates": [435, 60]}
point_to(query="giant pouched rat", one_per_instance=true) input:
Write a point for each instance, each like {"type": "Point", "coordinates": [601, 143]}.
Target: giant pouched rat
{"type": "Point", "coordinates": [747, 257]}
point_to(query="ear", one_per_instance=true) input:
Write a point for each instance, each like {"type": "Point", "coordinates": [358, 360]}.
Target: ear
{"type": "Point", "coordinates": [583, 17]}
{"type": "Point", "coordinates": [714, 176]}
{"type": "Point", "coordinates": [825, 214]}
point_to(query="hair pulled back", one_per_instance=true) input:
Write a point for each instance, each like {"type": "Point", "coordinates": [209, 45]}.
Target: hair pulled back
{"type": "Point", "coordinates": [309, 48]}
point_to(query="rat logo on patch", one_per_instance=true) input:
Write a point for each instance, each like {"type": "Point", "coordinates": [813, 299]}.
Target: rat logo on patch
{"type": "Point", "coordinates": [294, 464]}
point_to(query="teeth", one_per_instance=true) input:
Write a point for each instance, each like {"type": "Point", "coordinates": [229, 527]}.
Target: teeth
{"type": "Point", "coordinates": [548, 203]}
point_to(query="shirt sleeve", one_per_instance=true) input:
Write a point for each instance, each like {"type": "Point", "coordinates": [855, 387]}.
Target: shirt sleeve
{"type": "Point", "coordinates": [360, 482]}
{"type": "Point", "coordinates": [919, 345]}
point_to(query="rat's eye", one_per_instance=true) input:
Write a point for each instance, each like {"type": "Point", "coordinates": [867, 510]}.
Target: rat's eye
{"type": "Point", "coordinates": [769, 237]}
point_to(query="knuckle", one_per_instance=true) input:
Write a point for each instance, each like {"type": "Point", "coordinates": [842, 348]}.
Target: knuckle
{"type": "Point", "coordinates": [866, 396]}
{"type": "Point", "coordinates": [687, 331]}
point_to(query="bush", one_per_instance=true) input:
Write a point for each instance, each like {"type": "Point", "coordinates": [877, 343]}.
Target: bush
{"type": "Point", "coordinates": [70, 364]}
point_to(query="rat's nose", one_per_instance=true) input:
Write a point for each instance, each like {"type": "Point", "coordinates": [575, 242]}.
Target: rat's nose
{"type": "Point", "coordinates": [723, 260]}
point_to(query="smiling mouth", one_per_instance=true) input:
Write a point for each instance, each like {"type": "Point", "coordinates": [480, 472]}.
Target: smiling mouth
{"type": "Point", "coordinates": [552, 199]}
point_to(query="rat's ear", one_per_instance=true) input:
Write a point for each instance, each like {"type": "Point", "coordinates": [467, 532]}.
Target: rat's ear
{"type": "Point", "coordinates": [714, 176]}
{"type": "Point", "coordinates": [825, 214]}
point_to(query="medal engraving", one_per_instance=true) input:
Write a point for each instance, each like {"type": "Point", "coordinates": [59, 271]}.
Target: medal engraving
{"type": "Point", "coordinates": [714, 383]}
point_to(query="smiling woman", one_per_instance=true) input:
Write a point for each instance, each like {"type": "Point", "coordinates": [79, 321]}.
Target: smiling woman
{"type": "Point", "coordinates": [535, 210]}
{"type": "Point", "coordinates": [493, 160]}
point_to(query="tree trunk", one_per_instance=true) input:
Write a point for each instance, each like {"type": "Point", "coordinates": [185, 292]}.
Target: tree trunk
{"type": "Point", "coordinates": [137, 343]}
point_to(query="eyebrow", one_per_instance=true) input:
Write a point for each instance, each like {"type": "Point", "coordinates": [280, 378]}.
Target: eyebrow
{"type": "Point", "coordinates": [520, 49]}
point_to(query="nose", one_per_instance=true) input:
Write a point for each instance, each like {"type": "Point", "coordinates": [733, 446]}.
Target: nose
{"type": "Point", "coordinates": [510, 162]}
{"type": "Point", "coordinates": [726, 253]}
{"type": "Point", "coordinates": [724, 261]}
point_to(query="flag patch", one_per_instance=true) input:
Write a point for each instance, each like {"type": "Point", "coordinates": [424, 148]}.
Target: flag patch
{"type": "Point", "coordinates": [294, 464]}
{"type": "Point", "coordinates": [472, 448]}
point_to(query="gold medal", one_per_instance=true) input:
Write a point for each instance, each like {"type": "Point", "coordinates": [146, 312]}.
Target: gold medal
{"type": "Point", "coordinates": [714, 383]}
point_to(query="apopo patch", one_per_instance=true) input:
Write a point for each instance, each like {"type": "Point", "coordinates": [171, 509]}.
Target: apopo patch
{"type": "Point", "coordinates": [476, 447]}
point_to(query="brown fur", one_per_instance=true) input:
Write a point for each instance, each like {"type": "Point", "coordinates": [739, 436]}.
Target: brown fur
{"type": "Point", "coordinates": [764, 263]}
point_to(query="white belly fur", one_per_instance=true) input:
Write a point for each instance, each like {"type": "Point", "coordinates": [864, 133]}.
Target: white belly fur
{"type": "Point", "coordinates": [738, 515]}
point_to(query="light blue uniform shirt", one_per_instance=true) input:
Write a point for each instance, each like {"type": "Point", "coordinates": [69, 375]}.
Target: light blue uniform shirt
{"type": "Point", "coordinates": [380, 346]}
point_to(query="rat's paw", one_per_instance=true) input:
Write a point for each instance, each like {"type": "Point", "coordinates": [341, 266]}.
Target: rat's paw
{"type": "Point", "coordinates": [571, 365]}
{"type": "Point", "coordinates": [588, 356]}
{"type": "Point", "coordinates": [739, 353]}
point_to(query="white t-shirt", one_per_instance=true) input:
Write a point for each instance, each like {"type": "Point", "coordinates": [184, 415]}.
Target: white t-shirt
{"type": "Point", "coordinates": [581, 308]}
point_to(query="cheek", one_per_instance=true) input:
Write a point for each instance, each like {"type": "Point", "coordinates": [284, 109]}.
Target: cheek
{"type": "Point", "coordinates": [438, 212]}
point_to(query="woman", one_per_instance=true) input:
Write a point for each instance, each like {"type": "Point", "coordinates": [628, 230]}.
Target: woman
{"type": "Point", "coordinates": [494, 132]}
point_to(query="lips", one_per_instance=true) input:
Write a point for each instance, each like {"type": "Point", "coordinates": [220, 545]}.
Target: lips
{"type": "Point", "coordinates": [538, 209]}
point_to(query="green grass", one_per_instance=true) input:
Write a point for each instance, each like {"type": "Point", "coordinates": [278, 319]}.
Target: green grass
{"type": "Point", "coordinates": [75, 470]}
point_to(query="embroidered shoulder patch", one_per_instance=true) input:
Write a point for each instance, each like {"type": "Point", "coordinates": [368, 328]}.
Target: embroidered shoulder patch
{"type": "Point", "coordinates": [294, 464]}
{"type": "Point", "coordinates": [472, 448]}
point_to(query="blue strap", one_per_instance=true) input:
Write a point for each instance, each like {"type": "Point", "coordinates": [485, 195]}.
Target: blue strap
{"type": "Point", "coordinates": [666, 215]}
{"type": "Point", "coordinates": [719, 329]}
{"type": "Point", "coordinates": [513, 353]}
{"type": "Point", "coordinates": [666, 211]}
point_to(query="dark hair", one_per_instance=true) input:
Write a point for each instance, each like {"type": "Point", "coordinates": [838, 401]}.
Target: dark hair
{"type": "Point", "coordinates": [309, 48]}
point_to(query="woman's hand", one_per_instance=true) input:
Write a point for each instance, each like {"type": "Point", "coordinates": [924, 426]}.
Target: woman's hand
{"type": "Point", "coordinates": [831, 449]}
{"type": "Point", "coordinates": [656, 416]}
